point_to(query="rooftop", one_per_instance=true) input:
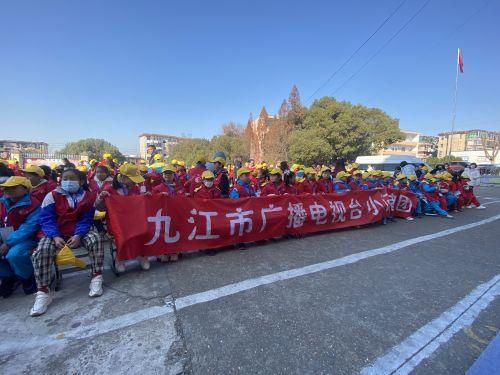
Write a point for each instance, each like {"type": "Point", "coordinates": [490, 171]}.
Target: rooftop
{"type": "Point", "coordinates": [161, 135]}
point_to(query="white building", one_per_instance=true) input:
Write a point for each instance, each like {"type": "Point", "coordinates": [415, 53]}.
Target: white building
{"type": "Point", "coordinates": [414, 144]}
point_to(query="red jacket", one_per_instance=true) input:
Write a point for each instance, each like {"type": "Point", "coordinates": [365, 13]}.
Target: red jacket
{"type": "Point", "coordinates": [305, 187]}
{"type": "Point", "coordinates": [16, 216]}
{"type": "Point", "coordinates": [112, 191]}
{"type": "Point", "coordinates": [60, 218]}
{"type": "Point", "coordinates": [171, 190]}
{"type": "Point", "coordinates": [325, 186]}
{"type": "Point", "coordinates": [207, 193]}
{"type": "Point", "coordinates": [94, 186]}
{"type": "Point", "coordinates": [291, 189]}
{"type": "Point", "coordinates": [181, 177]}
{"type": "Point", "coordinates": [194, 179]}
{"type": "Point", "coordinates": [269, 188]}
{"type": "Point", "coordinates": [41, 190]}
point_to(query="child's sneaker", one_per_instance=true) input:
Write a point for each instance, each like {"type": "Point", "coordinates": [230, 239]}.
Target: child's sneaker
{"type": "Point", "coordinates": [119, 266]}
{"type": "Point", "coordinates": [144, 262]}
{"type": "Point", "coordinates": [448, 216]}
{"type": "Point", "coordinates": [42, 302]}
{"type": "Point", "coordinates": [481, 207]}
{"type": "Point", "coordinates": [470, 206]}
{"type": "Point", "coordinates": [409, 218]}
{"type": "Point", "coordinates": [96, 286]}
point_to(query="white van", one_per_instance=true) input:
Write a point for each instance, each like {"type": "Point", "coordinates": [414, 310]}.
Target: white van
{"type": "Point", "coordinates": [385, 162]}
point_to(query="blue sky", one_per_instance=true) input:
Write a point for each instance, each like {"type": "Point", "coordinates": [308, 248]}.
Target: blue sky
{"type": "Point", "coordinates": [114, 69]}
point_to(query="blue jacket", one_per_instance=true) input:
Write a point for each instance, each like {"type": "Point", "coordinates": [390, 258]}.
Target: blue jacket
{"type": "Point", "coordinates": [27, 230]}
{"type": "Point", "coordinates": [57, 219]}
{"type": "Point", "coordinates": [234, 194]}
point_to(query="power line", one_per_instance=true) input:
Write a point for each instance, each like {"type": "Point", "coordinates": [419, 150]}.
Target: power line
{"type": "Point", "coordinates": [357, 50]}
{"type": "Point", "coordinates": [383, 46]}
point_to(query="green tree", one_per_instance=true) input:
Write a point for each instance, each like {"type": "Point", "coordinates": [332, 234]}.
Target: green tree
{"type": "Point", "coordinates": [190, 149]}
{"type": "Point", "coordinates": [93, 148]}
{"type": "Point", "coordinates": [348, 130]}
{"type": "Point", "coordinates": [446, 159]}
{"type": "Point", "coordinates": [232, 141]}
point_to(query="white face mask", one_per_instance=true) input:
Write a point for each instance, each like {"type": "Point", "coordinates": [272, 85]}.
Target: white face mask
{"type": "Point", "coordinates": [208, 184]}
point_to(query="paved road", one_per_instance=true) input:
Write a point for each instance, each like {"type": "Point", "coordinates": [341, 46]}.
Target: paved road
{"type": "Point", "coordinates": [417, 297]}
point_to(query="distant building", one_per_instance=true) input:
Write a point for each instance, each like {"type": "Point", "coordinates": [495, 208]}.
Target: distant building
{"type": "Point", "coordinates": [23, 146]}
{"type": "Point", "coordinates": [466, 141]}
{"type": "Point", "coordinates": [256, 132]}
{"type": "Point", "coordinates": [164, 143]}
{"type": "Point", "coordinates": [414, 144]}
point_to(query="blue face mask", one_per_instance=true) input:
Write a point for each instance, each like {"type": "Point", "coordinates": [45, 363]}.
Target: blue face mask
{"type": "Point", "coordinates": [70, 186]}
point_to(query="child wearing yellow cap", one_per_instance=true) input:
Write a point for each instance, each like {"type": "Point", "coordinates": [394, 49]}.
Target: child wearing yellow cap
{"type": "Point", "coordinates": [207, 190]}
{"type": "Point", "coordinates": [41, 186]}
{"type": "Point", "coordinates": [125, 183]}
{"type": "Point", "coordinates": [19, 219]}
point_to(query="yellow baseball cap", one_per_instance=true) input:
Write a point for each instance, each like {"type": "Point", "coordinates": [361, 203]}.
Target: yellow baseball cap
{"type": "Point", "coordinates": [34, 169]}
{"type": "Point", "coordinates": [309, 170]}
{"type": "Point", "coordinates": [201, 159]}
{"type": "Point", "coordinates": [143, 168]}
{"type": "Point", "coordinates": [17, 181]}
{"type": "Point", "coordinates": [181, 163]}
{"type": "Point", "coordinates": [207, 175]}
{"type": "Point", "coordinates": [219, 159]}
{"type": "Point", "coordinates": [82, 168]}
{"type": "Point", "coordinates": [401, 176]}
{"type": "Point", "coordinates": [106, 155]}
{"type": "Point", "coordinates": [342, 174]}
{"type": "Point", "coordinates": [429, 176]}
{"type": "Point", "coordinates": [157, 157]}
{"type": "Point", "coordinates": [168, 168]}
{"type": "Point", "coordinates": [242, 171]}
{"type": "Point", "coordinates": [325, 169]}
{"type": "Point", "coordinates": [276, 171]}
{"type": "Point", "coordinates": [412, 177]}
{"type": "Point", "coordinates": [132, 172]}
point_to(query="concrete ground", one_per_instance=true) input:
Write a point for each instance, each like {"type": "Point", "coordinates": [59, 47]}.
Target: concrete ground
{"type": "Point", "coordinates": [418, 297]}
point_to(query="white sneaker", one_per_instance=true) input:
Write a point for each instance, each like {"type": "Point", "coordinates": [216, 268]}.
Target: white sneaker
{"type": "Point", "coordinates": [470, 206]}
{"type": "Point", "coordinates": [119, 266]}
{"type": "Point", "coordinates": [409, 218]}
{"type": "Point", "coordinates": [481, 207]}
{"type": "Point", "coordinates": [144, 262]}
{"type": "Point", "coordinates": [449, 216]}
{"type": "Point", "coordinates": [96, 286]}
{"type": "Point", "coordinates": [42, 301]}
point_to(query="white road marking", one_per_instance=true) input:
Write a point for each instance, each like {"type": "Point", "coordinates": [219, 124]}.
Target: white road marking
{"type": "Point", "coordinates": [487, 203]}
{"type": "Point", "coordinates": [244, 285]}
{"type": "Point", "coordinates": [98, 328]}
{"type": "Point", "coordinates": [404, 357]}
{"type": "Point", "coordinates": [488, 198]}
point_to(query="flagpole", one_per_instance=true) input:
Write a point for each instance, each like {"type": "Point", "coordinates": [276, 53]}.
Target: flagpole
{"type": "Point", "coordinates": [454, 105]}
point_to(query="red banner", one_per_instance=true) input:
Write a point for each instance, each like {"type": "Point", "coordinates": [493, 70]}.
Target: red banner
{"type": "Point", "coordinates": [155, 225]}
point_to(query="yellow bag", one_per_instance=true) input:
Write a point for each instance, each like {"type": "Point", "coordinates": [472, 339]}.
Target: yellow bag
{"type": "Point", "coordinates": [66, 257]}
{"type": "Point", "coordinates": [99, 215]}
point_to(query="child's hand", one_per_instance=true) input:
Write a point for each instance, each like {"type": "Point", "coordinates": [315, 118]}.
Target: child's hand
{"type": "Point", "coordinates": [74, 241]}
{"type": "Point", "coordinates": [59, 242]}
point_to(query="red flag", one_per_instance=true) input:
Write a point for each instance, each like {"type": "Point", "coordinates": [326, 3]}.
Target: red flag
{"type": "Point", "coordinates": [460, 61]}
